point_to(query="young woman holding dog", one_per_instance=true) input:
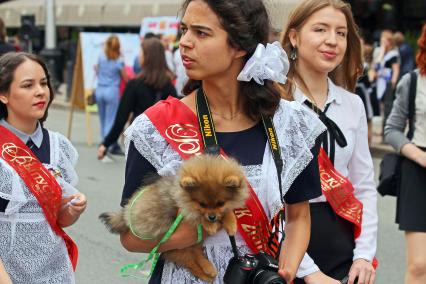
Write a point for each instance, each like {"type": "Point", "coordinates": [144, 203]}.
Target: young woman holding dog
{"type": "Point", "coordinates": [219, 38]}
{"type": "Point", "coordinates": [37, 194]}
{"type": "Point", "coordinates": [411, 215]}
{"type": "Point", "coordinates": [325, 49]}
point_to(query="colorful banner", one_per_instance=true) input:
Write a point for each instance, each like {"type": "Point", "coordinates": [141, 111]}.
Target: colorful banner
{"type": "Point", "coordinates": [92, 47]}
{"type": "Point", "coordinates": [167, 26]}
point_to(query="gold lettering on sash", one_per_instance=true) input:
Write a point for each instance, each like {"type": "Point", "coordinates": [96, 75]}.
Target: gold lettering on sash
{"type": "Point", "coordinates": [15, 154]}
{"type": "Point", "coordinates": [38, 178]}
{"type": "Point", "coordinates": [241, 212]}
{"type": "Point", "coordinates": [272, 139]}
{"type": "Point", "coordinates": [330, 181]}
{"type": "Point", "coordinates": [186, 137]}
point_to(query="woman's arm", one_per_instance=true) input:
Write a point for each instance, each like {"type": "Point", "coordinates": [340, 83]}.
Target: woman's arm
{"type": "Point", "coordinates": [185, 235]}
{"type": "Point", "coordinates": [361, 175]}
{"type": "Point", "coordinates": [397, 120]}
{"type": "Point", "coordinates": [395, 74]}
{"type": "Point", "coordinates": [297, 232]}
{"type": "Point", "coordinates": [4, 277]}
{"type": "Point", "coordinates": [414, 153]}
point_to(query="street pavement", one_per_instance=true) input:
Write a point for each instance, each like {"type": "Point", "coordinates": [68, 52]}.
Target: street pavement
{"type": "Point", "coordinates": [101, 255]}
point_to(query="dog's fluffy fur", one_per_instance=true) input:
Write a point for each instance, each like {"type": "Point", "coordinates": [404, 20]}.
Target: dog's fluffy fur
{"type": "Point", "coordinates": [206, 190]}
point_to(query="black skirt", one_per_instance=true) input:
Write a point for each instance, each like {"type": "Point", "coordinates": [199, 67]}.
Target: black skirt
{"type": "Point", "coordinates": [411, 201]}
{"type": "Point", "coordinates": [332, 242]}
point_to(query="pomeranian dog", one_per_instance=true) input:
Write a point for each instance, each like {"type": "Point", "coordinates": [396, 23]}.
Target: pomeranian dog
{"type": "Point", "coordinates": [205, 191]}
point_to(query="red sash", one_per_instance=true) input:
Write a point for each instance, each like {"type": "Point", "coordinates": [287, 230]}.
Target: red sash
{"type": "Point", "coordinates": [39, 181]}
{"type": "Point", "coordinates": [179, 126]}
{"type": "Point", "coordinates": [339, 193]}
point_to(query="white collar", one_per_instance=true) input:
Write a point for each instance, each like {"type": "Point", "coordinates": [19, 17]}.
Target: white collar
{"type": "Point", "coordinates": [334, 94]}
{"type": "Point", "coordinates": [36, 137]}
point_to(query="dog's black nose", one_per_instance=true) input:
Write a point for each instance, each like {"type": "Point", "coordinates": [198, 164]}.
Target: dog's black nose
{"type": "Point", "coordinates": [212, 218]}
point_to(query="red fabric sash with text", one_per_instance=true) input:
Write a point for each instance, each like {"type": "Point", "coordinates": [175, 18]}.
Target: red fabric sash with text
{"type": "Point", "coordinates": [39, 181]}
{"type": "Point", "coordinates": [339, 193]}
{"type": "Point", "coordinates": [179, 126]}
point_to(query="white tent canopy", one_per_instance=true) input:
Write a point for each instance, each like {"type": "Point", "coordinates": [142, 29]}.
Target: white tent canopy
{"type": "Point", "coordinates": [113, 12]}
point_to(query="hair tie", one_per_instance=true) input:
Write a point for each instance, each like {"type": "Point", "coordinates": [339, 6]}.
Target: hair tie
{"type": "Point", "coordinates": [267, 63]}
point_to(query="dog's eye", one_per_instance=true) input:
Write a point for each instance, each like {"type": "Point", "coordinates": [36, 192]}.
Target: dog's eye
{"type": "Point", "coordinates": [220, 203]}
{"type": "Point", "coordinates": [203, 205]}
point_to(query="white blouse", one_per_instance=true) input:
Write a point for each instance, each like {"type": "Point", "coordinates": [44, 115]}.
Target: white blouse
{"type": "Point", "coordinates": [354, 162]}
{"type": "Point", "coordinates": [30, 250]}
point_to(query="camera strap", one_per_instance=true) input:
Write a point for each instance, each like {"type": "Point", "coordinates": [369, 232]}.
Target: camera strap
{"type": "Point", "coordinates": [208, 134]}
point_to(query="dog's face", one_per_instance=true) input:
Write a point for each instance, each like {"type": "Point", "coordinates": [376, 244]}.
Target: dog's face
{"type": "Point", "coordinates": [212, 186]}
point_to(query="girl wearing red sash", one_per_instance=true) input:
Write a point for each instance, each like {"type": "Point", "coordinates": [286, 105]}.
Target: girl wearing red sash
{"type": "Point", "coordinates": [220, 38]}
{"type": "Point", "coordinates": [324, 47]}
{"type": "Point", "coordinates": [37, 194]}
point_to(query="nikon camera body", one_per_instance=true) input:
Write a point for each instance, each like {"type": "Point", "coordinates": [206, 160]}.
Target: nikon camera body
{"type": "Point", "coordinates": [253, 269]}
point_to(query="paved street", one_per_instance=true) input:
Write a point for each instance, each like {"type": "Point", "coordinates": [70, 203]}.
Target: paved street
{"type": "Point", "coordinates": [101, 254]}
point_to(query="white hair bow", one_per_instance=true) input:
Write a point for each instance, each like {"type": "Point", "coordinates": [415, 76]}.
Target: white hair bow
{"type": "Point", "coordinates": [267, 63]}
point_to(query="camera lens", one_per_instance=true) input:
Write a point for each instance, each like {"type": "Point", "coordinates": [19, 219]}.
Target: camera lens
{"type": "Point", "coordinates": [267, 277]}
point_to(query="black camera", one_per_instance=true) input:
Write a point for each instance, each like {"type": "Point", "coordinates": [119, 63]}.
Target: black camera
{"type": "Point", "coordinates": [260, 268]}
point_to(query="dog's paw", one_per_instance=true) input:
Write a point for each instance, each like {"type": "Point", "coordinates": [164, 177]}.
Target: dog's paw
{"type": "Point", "coordinates": [231, 228]}
{"type": "Point", "coordinates": [210, 270]}
{"type": "Point", "coordinates": [230, 223]}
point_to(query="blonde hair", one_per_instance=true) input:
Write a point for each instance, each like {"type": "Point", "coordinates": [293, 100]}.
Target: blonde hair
{"type": "Point", "coordinates": [112, 47]}
{"type": "Point", "coordinates": [344, 75]}
{"type": "Point", "coordinates": [388, 35]}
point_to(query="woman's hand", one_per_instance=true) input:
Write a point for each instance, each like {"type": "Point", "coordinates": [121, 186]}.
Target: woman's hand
{"type": "Point", "coordinates": [72, 207]}
{"type": "Point", "coordinates": [362, 269]}
{"type": "Point", "coordinates": [421, 160]}
{"type": "Point", "coordinates": [319, 278]}
{"type": "Point", "coordinates": [101, 151]}
{"type": "Point", "coordinates": [77, 204]}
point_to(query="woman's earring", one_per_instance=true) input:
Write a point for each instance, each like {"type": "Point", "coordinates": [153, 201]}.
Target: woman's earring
{"type": "Point", "coordinates": [293, 54]}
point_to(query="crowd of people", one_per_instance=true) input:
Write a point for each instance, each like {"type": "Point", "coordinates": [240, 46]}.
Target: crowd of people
{"type": "Point", "coordinates": [317, 89]}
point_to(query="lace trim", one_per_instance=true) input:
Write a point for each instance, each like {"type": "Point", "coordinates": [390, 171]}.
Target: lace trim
{"type": "Point", "coordinates": [218, 255]}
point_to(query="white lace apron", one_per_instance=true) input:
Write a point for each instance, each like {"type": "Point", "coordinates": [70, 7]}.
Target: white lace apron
{"type": "Point", "coordinates": [296, 129]}
{"type": "Point", "coordinates": [32, 253]}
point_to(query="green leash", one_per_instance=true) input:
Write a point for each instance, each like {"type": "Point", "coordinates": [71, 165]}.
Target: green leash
{"type": "Point", "coordinates": [153, 255]}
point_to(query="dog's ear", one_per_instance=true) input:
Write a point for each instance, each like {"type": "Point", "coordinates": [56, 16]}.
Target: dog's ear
{"type": "Point", "coordinates": [232, 182]}
{"type": "Point", "coordinates": [188, 183]}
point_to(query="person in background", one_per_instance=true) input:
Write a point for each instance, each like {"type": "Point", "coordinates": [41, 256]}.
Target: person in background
{"type": "Point", "coordinates": [169, 55]}
{"type": "Point", "coordinates": [387, 72]}
{"type": "Point", "coordinates": [137, 61]}
{"type": "Point", "coordinates": [110, 70]}
{"type": "Point", "coordinates": [325, 48]}
{"type": "Point", "coordinates": [150, 86]}
{"type": "Point", "coordinates": [181, 77]}
{"type": "Point", "coordinates": [364, 86]}
{"type": "Point", "coordinates": [411, 200]}
{"type": "Point", "coordinates": [406, 54]}
{"type": "Point", "coordinates": [37, 173]}
{"type": "Point", "coordinates": [4, 45]}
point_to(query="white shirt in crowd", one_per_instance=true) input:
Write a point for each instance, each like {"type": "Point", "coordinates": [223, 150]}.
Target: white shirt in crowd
{"type": "Point", "coordinates": [354, 162]}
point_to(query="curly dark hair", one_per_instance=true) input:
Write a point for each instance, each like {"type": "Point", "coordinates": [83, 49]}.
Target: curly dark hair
{"type": "Point", "coordinates": [247, 24]}
{"type": "Point", "coordinates": [9, 62]}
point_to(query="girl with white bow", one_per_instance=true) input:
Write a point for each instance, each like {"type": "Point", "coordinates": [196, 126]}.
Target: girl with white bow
{"type": "Point", "coordinates": [222, 40]}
